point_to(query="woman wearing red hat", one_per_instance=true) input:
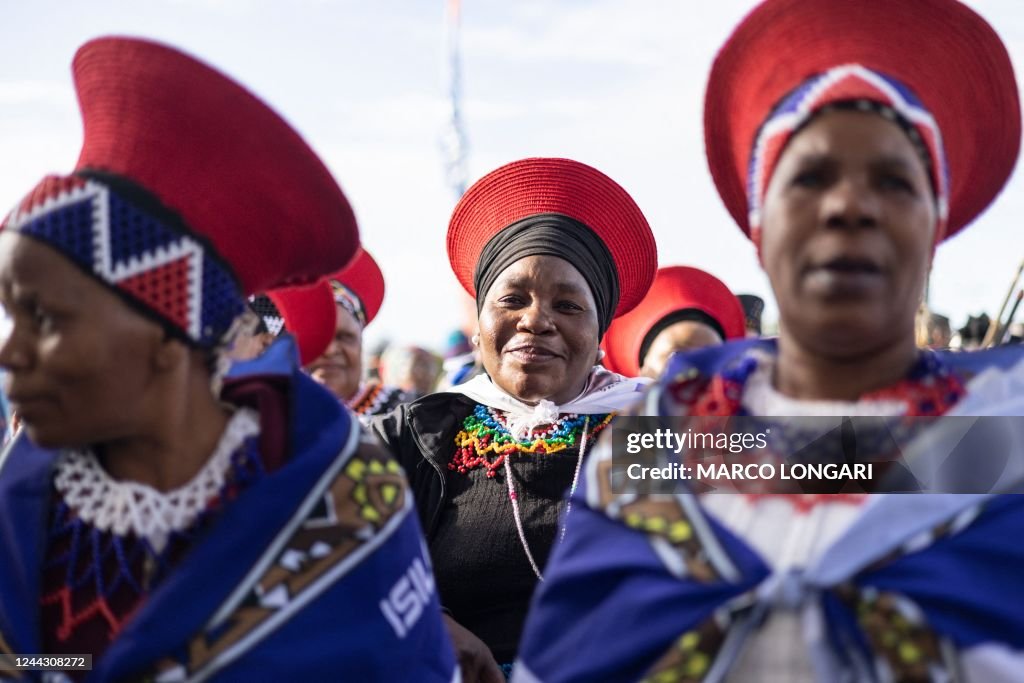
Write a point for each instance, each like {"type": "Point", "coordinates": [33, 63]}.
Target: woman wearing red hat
{"type": "Point", "coordinates": [170, 529]}
{"type": "Point", "coordinates": [552, 250]}
{"type": "Point", "coordinates": [847, 147]}
{"type": "Point", "coordinates": [358, 292]}
{"type": "Point", "coordinates": [685, 309]}
{"type": "Point", "coordinates": [299, 310]}
{"type": "Point", "coordinates": [327, 321]}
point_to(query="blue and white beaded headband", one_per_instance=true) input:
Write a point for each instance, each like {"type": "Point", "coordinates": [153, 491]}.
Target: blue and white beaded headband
{"type": "Point", "coordinates": [118, 233]}
{"type": "Point", "coordinates": [843, 84]}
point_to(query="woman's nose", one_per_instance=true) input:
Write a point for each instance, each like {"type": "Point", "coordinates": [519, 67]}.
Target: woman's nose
{"type": "Point", "coordinates": [536, 319]}
{"type": "Point", "coordinates": [850, 203]}
{"type": "Point", "coordinates": [14, 355]}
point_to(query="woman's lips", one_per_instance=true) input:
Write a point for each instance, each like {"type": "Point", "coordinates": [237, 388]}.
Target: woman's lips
{"type": "Point", "coordinates": [532, 354]}
{"type": "Point", "coordinates": [335, 367]}
{"type": "Point", "coordinates": [845, 278]}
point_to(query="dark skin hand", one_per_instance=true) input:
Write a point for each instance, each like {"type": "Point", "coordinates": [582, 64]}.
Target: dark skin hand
{"type": "Point", "coordinates": [475, 658]}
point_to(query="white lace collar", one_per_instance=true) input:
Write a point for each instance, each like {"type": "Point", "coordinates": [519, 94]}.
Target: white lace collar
{"type": "Point", "coordinates": [762, 399]}
{"type": "Point", "coordinates": [127, 507]}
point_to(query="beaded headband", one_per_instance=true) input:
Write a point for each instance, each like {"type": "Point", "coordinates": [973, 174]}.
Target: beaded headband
{"type": "Point", "coordinates": [871, 91]}
{"type": "Point", "coordinates": [347, 299]}
{"type": "Point", "coordinates": [264, 307]}
{"type": "Point", "coordinates": [118, 233]}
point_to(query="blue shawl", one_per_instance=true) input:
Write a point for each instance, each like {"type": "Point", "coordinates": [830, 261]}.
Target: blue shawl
{"type": "Point", "coordinates": [317, 571]}
{"type": "Point", "coordinates": [623, 599]}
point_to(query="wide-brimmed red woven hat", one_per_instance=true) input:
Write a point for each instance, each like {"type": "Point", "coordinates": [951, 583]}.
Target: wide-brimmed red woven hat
{"type": "Point", "coordinates": [543, 185]}
{"type": "Point", "coordinates": [189, 191]}
{"type": "Point", "coordinates": [212, 151]}
{"type": "Point", "coordinates": [675, 288]}
{"type": "Point", "coordinates": [943, 51]}
{"type": "Point", "coordinates": [364, 278]}
{"type": "Point", "coordinates": [308, 313]}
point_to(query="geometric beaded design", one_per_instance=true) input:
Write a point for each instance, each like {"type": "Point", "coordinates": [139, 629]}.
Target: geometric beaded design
{"type": "Point", "coordinates": [264, 307]}
{"type": "Point", "coordinates": [108, 236]}
{"type": "Point", "coordinates": [349, 300]}
{"type": "Point", "coordinates": [846, 83]}
{"type": "Point", "coordinates": [375, 398]}
{"type": "Point", "coordinates": [930, 388]}
{"type": "Point", "coordinates": [95, 580]}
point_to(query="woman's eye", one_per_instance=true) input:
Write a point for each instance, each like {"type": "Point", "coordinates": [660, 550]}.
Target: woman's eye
{"type": "Point", "coordinates": [896, 182]}
{"type": "Point", "coordinates": [511, 300]}
{"type": "Point", "coordinates": [42, 320]}
{"type": "Point", "coordinates": [809, 178]}
{"type": "Point", "coordinates": [568, 306]}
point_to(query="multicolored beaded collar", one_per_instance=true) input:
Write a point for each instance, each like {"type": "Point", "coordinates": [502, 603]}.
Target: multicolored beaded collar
{"type": "Point", "coordinates": [931, 388]}
{"type": "Point", "coordinates": [485, 433]}
{"type": "Point", "coordinates": [485, 439]}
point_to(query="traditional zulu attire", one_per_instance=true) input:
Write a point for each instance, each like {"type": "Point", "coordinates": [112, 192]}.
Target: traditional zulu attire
{"type": "Point", "coordinates": [308, 314]}
{"type": "Point", "coordinates": [489, 472]}
{"type": "Point", "coordinates": [678, 294]}
{"type": "Point", "coordinates": [844, 587]}
{"type": "Point", "coordinates": [293, 553]}
{"type": "Point", "coordinates": [359, 289]}
{"type": "Point", "coordinates": [374, 398]}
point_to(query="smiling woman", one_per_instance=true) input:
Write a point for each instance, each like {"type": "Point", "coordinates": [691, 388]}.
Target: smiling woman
{"type": "Point", "coordinates": [552, 250]}
{"type": "Point", "coordinates": [327, 321]}
{"type": "Point", "coordinates": [537, 327]}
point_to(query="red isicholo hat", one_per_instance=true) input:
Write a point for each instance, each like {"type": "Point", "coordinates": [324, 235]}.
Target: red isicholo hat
{"type": "Point", "coordinates": [308, 315]}
{"type": "Point", "coordinates": [675, 288]}
{"type": "Point", "coordinates": [947, 55]}
{"type": "Point", "coordinates": [561, 186]}
{"type": "Point", "coordinates": [309, 312]}
{"type": "Point", "coordinates": [189, 191]}
{"type": "Point", "coordinates": [363, 278]}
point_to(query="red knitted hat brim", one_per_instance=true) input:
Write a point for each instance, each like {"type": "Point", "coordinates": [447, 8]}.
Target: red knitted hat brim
{"type": "Point", "coordinates": [947, 54]}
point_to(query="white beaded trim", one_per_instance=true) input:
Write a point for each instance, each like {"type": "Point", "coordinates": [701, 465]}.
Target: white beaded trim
{"type": "Point", "coordinates": [123, 507]}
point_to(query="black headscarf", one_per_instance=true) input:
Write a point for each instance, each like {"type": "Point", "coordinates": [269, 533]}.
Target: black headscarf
{"type": "Point", "coordinates": [552, 234]}
{"type": "Point", "coordinates": [682, 315]}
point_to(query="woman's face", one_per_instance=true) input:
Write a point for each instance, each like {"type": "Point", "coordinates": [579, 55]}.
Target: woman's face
{"type": "Point", "coordinates": [538, 330]}
{"type": "Point", "coordinates": [849, 222]}
{"type": "Point", "coordinates": [685, 335]}
{"type": "Point", "coordinates": [80, 363]}
{"type": "Point", "coordinates": [340, 369]}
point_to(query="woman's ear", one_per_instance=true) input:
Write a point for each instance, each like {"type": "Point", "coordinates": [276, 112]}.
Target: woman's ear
{"type": "Point", "coordinates": [169, 353]}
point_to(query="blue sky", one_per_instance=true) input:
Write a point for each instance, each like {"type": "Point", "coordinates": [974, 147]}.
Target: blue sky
{"type": "Point", "coordinates": [614, 83]}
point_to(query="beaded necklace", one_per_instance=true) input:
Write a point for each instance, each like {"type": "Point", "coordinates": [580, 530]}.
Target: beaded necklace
{"type": "Point", "coordinates": [102, 568]}
{"type": "Point", "coordinates": [370, 400]}
{"type": "Point", "coordinates": [485, 441]}
{"type": "Point", "coordinates": [931, 388]}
